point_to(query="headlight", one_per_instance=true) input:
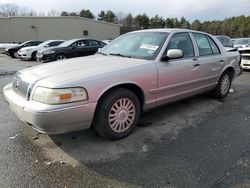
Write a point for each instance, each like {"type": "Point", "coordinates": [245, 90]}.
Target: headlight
{"type": "Point", "coordinates": [59, 96]}
{"type": "Point", "coordinates": [49, 52]}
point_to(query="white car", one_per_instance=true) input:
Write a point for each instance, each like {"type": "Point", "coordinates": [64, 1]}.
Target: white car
{"type": "Point", "coordinates": [245, 57]}
{"type": "Point", "coordinates": [29, 53]}
{"type": "Point", "coordinates": [3, 46]}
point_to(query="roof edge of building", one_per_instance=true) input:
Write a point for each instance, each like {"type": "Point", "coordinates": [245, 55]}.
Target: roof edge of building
{"type": "Point", "coordinates": [74, 17]}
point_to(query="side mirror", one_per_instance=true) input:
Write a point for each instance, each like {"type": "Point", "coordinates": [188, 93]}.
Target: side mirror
{"type": "Point", "coordinates": [173, 54]}
{"type": "Point", "coordinates": [46, 46]}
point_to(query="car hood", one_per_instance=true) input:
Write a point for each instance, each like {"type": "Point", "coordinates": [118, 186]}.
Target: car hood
{"type": "Point", "coordinates": [77, 70]}
{"type": "Point", "coordinates": [242, 49]}
{"type": "Point", "coordinates": [28, 48]}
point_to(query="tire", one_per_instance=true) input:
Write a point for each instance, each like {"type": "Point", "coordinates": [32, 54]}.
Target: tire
{"type": "Point", "coordinates": [223, 86]}
{"type": "Point", "coordinates": [15, 55]}
{"type": "Point", "coordinates": [60, 57]}
{"type": "Point", "coordinates": [12, 54]}
{"type": "Point", "coordinates": [33, 56]}
{"type": "Point", "coordinates": [117, 114]}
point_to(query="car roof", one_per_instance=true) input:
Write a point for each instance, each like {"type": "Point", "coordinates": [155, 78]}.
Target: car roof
{"type": "Point", "coordinates": [168, 30]}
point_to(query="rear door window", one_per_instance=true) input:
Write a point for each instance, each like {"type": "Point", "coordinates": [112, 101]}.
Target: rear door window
{"type": "Point", "coordinates": [203, 44]}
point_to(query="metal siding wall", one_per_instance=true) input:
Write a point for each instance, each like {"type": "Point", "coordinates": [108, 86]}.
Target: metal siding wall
{"type": "Point", "coordinates": [18, 29]}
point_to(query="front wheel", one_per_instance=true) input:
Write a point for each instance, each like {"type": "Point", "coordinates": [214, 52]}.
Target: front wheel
{"type": "Point", "coordinates": [117, 114]}
{"type": "Point", "coordinates": [33, 56]}
{"type": "Point", "coordinates": [223, 86]}
{"type": "Point", "coordinates": [60, 57]}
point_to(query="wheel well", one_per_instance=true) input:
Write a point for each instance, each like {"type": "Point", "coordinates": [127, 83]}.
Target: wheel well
{"type": "Point", "coordinates": [231, 71]}
{"type": "Point", "coordinates": [33, 53]}
{"type": "Point", "coordinates": [132, 87]}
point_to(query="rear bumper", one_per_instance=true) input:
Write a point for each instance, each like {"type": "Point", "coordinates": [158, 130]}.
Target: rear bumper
{"type": "Point", "coordinates": [51, 119]}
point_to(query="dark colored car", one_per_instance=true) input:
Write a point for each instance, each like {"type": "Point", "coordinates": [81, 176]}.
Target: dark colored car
{"type": "Point", "coordinates": [225, 41]}
{"type": "Point", "coordinates": [69, 49]}
{"type": "Point", "coordinates": [13, 51]}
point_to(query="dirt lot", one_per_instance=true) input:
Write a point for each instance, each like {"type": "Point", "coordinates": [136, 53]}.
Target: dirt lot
{"type": "Point", "coordinates": [198, 142]}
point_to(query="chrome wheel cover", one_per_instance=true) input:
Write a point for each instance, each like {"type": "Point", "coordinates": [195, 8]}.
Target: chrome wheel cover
{"type": "Point", "coordinates": [121, 115]}
{"type": "Point", "coordinates": [15, 54]}
{"type": "Point", "coordinates": [225, 84]}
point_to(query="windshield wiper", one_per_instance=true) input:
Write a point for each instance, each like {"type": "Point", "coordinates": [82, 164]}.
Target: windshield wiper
{"type": "Point", "coordinates": [120, 55]}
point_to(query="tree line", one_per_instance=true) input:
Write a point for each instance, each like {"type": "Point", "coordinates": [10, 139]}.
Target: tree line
{"type": "Point", "coordinates": [238, 26]}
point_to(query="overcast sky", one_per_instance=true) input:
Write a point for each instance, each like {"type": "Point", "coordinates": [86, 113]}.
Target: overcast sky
{"type": "Point", "coordinates": [190, 9]}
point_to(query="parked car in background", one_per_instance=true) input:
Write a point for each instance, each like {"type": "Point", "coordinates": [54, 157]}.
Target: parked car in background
{"type": "Point", "coordinates": [69, 49]}
{"type": "Point", "coordinates": [3, 46]}
{"type": "Point", "coordinates": [107, 41]}
{"type": "Point", "coordinates": [29, 53]}
{"type": "Point", "coordinates": [241, 42]}
{"type": "Point", "coordinates": [245, 57]}
{"type": "Point", "coordinates": [13, 51]}
{"type": "Point", "coordinates": [225, 41]}
{"type": "Point", "coordinates": [136, 72]}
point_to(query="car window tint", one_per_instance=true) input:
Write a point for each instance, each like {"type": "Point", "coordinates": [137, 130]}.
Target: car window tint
{"type": "Point", "coordinates": [183, 42]}
{"type": "Point", "coordinates": [93, 43]}
{"type": "Point", "coordinates": [214, 47]}
{"type": "Point", "coordinates": [101, 43]}
{"type": "Point", "coordinates": [203, 44]}
{"type": "Point", "coordinates": [55, 43]}
{"type": "Point", "coordinates": [79, 43]}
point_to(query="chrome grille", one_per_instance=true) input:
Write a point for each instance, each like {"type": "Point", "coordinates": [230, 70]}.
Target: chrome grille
{"type": "Point", "coordinates": [246, 57]}
{"type": "Point", "coordinates": [20, 87]}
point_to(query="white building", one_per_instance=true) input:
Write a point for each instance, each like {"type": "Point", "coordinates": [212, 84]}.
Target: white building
{"type": "Point", "coordinates": [18, 29]}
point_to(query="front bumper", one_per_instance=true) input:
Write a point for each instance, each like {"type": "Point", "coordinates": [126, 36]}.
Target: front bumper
{"type": "Point", "coordinates": [51, 119]}
{"type": "Point", "coordinates": [45, 58]}
{"type": "Point", "coordinates": [24, 55]}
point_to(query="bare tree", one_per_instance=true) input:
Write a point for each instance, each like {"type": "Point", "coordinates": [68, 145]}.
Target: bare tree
{"type": "Point", "coordinates": [11, 9]}
{"type": "Point", "coordinates": [8, 9]}
{"type": "Point", "coordinates": [53, 13]}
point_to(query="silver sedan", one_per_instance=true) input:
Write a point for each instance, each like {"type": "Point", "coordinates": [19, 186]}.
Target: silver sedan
{"type": "Point", "coordinates": [136, 72]}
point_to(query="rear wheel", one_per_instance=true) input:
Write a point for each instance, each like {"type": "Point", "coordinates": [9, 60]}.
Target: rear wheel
{"type": "Point", "coordinates": [223, 86]}
{"type": "Point", "coordinates": [60, 57]}
{"type": "Point", "coordinates": [117, 114]}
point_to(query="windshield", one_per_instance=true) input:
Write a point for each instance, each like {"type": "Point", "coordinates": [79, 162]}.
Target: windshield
{"type": "Point", "coordinates": [242, 41]}
{"type": "Point", "coordinates": [24, 43]}
{"type": "Point", "coordinates": [43, 43]}
{"type": "Point", "coordinates": [142, 45]}
{"type": "Point", "coordinates": [67, 43]}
